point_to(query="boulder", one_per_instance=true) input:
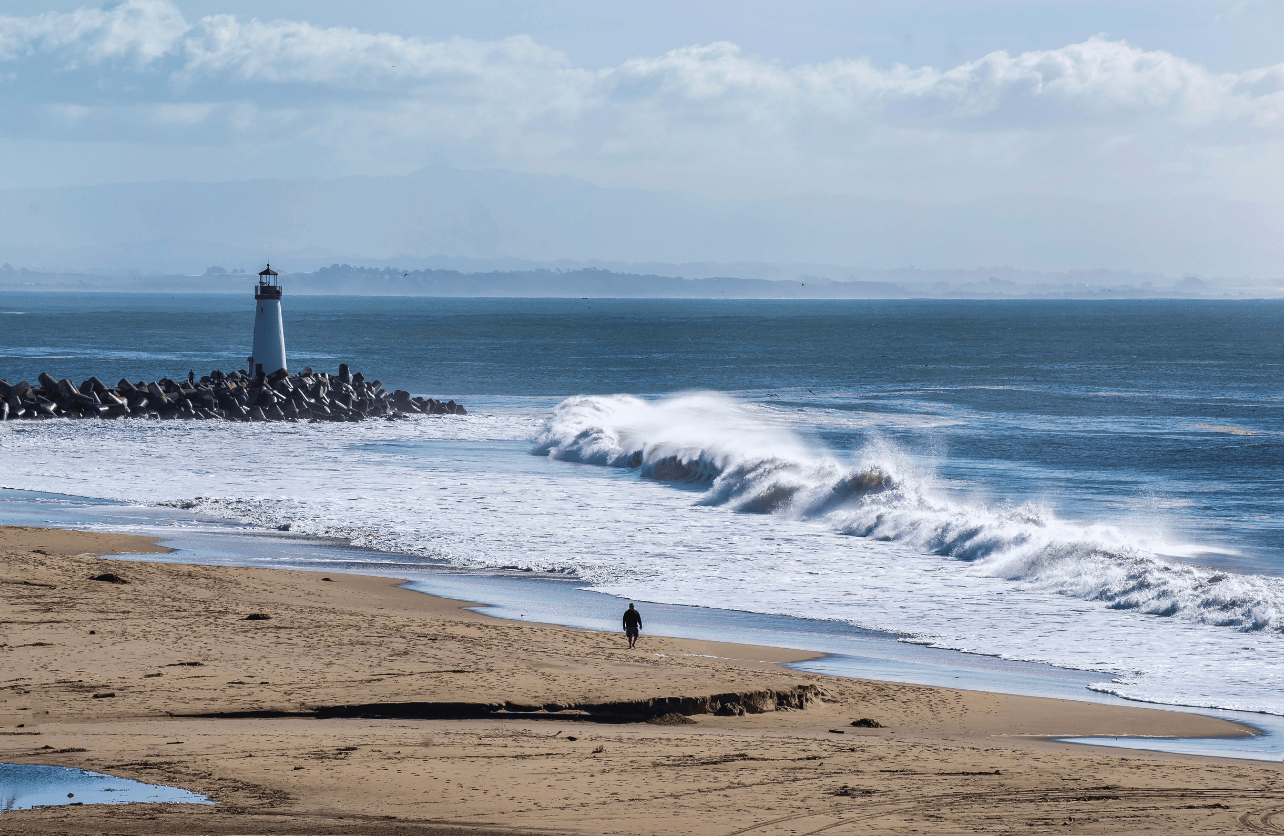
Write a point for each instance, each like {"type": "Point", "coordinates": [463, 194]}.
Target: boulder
{"type": "Point", "coordinates": [228, 395]}
{"type": "Point", "coordinates": [156, 397]}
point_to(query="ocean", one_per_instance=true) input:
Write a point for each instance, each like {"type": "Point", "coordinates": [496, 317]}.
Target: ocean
{"type": "Point", "coordinates": [1097, 486]}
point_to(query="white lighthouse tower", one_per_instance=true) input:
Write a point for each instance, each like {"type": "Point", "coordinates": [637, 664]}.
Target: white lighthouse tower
{"type": "Point", "coordinates": [269, 336]}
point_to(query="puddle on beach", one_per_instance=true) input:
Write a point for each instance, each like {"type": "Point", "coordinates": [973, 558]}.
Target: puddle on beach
{"type": "Point", "coordinates": [25, 786]}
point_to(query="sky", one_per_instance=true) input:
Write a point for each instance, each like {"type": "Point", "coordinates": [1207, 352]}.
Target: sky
{"type": "Point", "coordinates": [930, 101]}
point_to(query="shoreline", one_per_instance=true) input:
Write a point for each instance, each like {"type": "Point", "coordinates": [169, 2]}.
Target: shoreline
{"type": "Point", "coordinates": [883, 658]}
{"type": "Point", "coordinates": [175, 644]}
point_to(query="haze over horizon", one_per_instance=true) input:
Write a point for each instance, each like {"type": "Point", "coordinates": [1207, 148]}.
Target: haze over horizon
{"type": "Point", "coordinates": [943, 135]}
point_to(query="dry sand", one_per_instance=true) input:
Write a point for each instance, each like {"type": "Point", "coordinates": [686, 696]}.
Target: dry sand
{"type": "Point", "coordinates": [175, 640]}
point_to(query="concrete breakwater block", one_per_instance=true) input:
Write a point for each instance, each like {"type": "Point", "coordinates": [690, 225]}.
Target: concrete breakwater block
{"type": "Point", "coordinates": [233, 396]}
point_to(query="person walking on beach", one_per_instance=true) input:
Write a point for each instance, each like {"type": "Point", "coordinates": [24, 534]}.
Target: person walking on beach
{"type": "Point", "coordinates": [632, 625]}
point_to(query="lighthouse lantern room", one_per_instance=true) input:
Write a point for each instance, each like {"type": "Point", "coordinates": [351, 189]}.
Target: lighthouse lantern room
{"type": "Point", "coordinates": [269, 336]}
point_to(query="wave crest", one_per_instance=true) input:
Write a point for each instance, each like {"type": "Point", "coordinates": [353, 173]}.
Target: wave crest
{"type": "Point", "coordinates": [749, 463]}
{"type": "Point", "coordinates": [704, 439]}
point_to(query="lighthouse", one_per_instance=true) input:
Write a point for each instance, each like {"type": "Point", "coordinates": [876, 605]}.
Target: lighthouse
{"type": "Point", "coordinates": [269, 336]}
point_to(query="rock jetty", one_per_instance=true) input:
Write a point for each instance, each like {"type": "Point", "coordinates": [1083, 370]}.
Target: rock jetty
{"type": "Point", "coordinates": [232, 396]}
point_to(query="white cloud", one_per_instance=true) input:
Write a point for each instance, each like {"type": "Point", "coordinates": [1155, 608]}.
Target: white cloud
{"type": "Point", "coordinates": [1100, 114]}
{"type": "Point", "coordinates": [139, 31]}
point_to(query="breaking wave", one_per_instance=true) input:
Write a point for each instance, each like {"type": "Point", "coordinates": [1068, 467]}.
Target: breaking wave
{"type": "Point", "coordinates": [749, 462]}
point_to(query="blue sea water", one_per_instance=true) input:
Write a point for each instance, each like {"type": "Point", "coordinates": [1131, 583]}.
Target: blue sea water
{"type": "Point", "coordinates": [1094, 485]}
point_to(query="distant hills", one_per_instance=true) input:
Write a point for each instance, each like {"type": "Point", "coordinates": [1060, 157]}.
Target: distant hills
{"type": "Point", "coordinates": [480, 221]}
{"type": "Point", "coordinates": [343, 279]}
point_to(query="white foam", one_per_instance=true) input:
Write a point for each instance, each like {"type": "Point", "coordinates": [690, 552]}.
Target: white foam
{"type": "Point", "coordinates": [737, 508]}
{"type": "Point", "coordinates": [753, 464]}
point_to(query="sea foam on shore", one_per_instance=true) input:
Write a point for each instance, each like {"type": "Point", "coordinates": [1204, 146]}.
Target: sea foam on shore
{"type": "Point", "coordinates": [863, 538]}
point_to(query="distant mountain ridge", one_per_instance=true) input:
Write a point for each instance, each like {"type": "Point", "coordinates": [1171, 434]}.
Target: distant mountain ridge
{"type": "Point", "coordinates": [344, 279]}
{"type": "Point", "coordinates": [445, 213]}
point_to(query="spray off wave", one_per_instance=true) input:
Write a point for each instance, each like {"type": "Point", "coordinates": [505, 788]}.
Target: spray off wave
{"type": "Point", "coordinates": [749, 462]}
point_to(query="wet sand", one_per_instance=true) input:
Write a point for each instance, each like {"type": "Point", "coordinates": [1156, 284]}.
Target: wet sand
{"type": "Point", "coordinates": [175, 642]}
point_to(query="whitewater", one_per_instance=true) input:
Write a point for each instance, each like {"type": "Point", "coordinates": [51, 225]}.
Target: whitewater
{"type": "Point", "coordinates": [1098, 486]}
{"type": "Point", "coordinates": [706, 500]}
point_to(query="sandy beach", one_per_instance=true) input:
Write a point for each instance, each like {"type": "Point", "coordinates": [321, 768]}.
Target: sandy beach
{"type": "Point", "coordinates": [348, 705]}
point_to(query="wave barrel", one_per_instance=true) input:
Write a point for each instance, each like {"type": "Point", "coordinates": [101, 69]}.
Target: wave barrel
{"type": "Point", "coordinates": [269, 334]}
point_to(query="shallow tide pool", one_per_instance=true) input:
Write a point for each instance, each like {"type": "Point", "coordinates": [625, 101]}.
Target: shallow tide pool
{"type": "Point", "coordinates": [26, 786]}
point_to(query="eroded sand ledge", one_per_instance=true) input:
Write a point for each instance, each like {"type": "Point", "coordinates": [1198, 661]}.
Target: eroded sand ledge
{"type": "Point", "coordinates": [177, 640]}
